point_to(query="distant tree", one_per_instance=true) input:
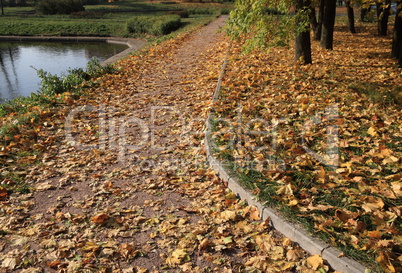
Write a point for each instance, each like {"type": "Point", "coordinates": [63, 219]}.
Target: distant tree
{"type": "Point", "coordinates": [383, 11]}
{"type": "Point", "coordinates": [303, 41]}
{"type": "Point", "coordinates": [327, 33]}
{"type": "Point", "coordinates": [365, 7]}
{"type": "Point", "coordinates": [313, 18]}
{"type": "Point", "coordinates": [270, 23]}
{"type": "Point", "coordinates": [2, 7]}
{"type": "Point", "coordinates": [351, 16]}
{"type": "Point", "coordinates": [318, 31]}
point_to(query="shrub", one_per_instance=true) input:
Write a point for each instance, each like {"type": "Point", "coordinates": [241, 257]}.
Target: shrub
{"type": "Point", "coordinates": [49, 7]}
{"type": "Point", "coordinates": [203, 11]}
{"type": "Point", "coordinates": [181, 13]}
{"type": "Point", "coordinates": [154, 25]}
{"type": "Point", "coordinates": [86, 14]}
{"type": "Point", "coordinates": [91, 2]}
{"type": "Point", "coordinates": [53, 84]}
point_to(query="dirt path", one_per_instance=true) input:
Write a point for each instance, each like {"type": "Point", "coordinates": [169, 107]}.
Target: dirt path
{"type": "Point", "coordinates": [124, 185]}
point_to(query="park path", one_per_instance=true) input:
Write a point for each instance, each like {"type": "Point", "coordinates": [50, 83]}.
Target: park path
{"type": "Point", "coordinates": [125, 186]}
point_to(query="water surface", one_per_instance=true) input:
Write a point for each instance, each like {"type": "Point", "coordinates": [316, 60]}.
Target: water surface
{"type": "Point", "coordinates": [18, 61]}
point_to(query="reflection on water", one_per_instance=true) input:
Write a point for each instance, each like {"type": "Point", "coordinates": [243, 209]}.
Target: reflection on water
{"type": "Point", "coordinates": [18, 61]}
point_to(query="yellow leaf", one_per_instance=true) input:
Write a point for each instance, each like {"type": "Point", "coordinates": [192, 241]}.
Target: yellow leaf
{"type": "Point", "coordinates": [383, 260]}
{"type": "Point", "coordinates": [390, 160]}
{"type": "Point", "coordinates": [285, 189]}
{"type": "Point", "coordinates": [264, 242]}
{"type": "Point", "coordinates": [277, 253]}
{"type": "Point", "coordinates": [294, 254]}
{"type": "Point", "coordinates": [315, 261]}
{"type": "Point", "coordinates": [293, 202]}
{"type": "Point", "coordinates": [372, 132]}
{"type": "Point", "coordinates": [261, 262]}
{"type": "Point", "coordinates": [177, 257]}
{"type": "Point", "coordinates": [228, 215]}
{"type": "Point", "coordinates": [254, 214]}
{"type": "Point", "coordinates": [397, 188]}
{"type": "Point", "coordinates": [10, 263]}
{"type": "Point", "coordinates": [372, 203]}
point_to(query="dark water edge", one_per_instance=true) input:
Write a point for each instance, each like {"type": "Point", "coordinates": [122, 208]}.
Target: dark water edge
{"type": "Point", "coordinates": [20, 60]}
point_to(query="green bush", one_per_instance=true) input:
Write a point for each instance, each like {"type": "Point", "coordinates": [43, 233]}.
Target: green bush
{"type": "Point", "coordinates": [53, 84]}
{"type": "Point", "coordinates": [49, 7]}
{"type": "Point", "coordinates": [86, 15]}
{"type": "Point", "coordinates": [181, 13]}
{"type": "Point", "coordinates": [154, 25]}
{"type": "Point", "coordinates": [204, 11]}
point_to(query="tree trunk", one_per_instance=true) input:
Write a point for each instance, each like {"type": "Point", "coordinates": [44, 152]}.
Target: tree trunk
{"type": "Point", "coordinates": [302, 41]}
{"type": "Point", "coordinates": [317, 32]}
{"type": "Point", "coordinates": [351, 17]}
{"type": "Point", "coordinates": [2, 7]}
{"type": "Point", "coordinates": [363, 13]}
{"type": "Point", "coordinates": [327, 33]}
{"type": "Point", "coordinates": [383, 9]}
{"type": "Point", "coordinates": [397, 37]}
{"type": "Point", "coordinates": [313, 19]}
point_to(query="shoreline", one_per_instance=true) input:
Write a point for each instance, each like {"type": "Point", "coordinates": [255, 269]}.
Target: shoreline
{"type": "Point", "coordinates": [132, 43]}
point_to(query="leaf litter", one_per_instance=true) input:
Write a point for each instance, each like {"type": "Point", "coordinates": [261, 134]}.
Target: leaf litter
{"type": "Point", "coordinates": [323, 141]}
{"type": "Point", "coordinates": [117, 180]}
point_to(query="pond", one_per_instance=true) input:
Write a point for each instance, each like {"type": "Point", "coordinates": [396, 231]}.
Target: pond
{"type": "Point", "coordinates": [20, 60]}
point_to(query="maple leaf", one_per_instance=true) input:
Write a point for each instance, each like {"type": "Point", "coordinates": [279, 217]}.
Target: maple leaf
{"type": "Point", "coordinates": [177, 257]}
{"type": "Point", "coordinates": [263, 263]}
{"type": "Point", "coordinates": [228, 215]}
{"type": "Point", "coordinates": [264, 242]}
{"type": "Point", "coordinates": [315, 261]}
{"type": "Point", "coordinates": [294, 254]}
{"type": "Point", "coordinates": [254, 213]}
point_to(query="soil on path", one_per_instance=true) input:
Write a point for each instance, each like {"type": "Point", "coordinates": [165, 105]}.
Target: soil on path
{"type": "Point", "coordinates": [124, 186]}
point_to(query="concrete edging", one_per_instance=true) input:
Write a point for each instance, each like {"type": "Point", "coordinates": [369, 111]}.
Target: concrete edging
{"type": "Point", "coordinates": [294, 232]}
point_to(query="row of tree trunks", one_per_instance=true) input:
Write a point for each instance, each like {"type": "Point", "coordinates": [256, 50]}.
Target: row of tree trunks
{"type": "Point", "coordinates": [323, 28]}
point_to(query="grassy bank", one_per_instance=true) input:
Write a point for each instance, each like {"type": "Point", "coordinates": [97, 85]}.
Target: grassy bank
{"type": "Point", "coordinates": [101, 20]}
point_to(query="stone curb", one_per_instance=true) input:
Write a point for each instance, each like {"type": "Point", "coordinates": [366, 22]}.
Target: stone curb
{"type": "Point", "coordinates": [291, 230]}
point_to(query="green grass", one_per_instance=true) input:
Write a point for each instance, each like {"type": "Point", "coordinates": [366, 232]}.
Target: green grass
{"type": "Point", "coordinates": [154, 25]}
{"type": "Point", "coordinates": [107, 19]}
{"type": "Point", "coordinates": [60, 26]}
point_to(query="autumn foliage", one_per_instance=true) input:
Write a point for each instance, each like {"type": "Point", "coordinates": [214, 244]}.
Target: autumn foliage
{"type": "Point", "coordinates": [281, 127]}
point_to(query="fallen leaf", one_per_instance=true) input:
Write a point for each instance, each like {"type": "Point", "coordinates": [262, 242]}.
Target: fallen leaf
{"type": "Point", "coordinates": [384, 261]}
{"type": "Point", "coordinates": [101, 218]}
{"type": "Point", "coordinates": [177, 257]}
{"type": "Point", "coordinates": [315, 261]}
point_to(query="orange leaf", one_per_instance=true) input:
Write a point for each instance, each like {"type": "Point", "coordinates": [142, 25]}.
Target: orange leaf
{"type": "Point", "coordinates": [3, 193]}
{"type": "Point", "coordinates": [383, 260]}
{"type": "Point", "coordinates": [375, 234]}
{"type": "Point", "coordinates": [100, 218]}
{"type": "Point", "coordinates": [254, 214]}
{"type": "Point", "coordinates": [315, 261]}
